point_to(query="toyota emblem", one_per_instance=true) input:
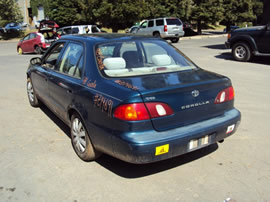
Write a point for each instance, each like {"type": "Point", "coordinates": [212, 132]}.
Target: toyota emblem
{"type": "Point", "coordinates": [195, 93]}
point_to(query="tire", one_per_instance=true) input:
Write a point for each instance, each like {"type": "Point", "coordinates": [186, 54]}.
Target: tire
{"type": "Point", "coordinates": [80, 140]}
{"type": "Point", "coordinates": [38, 50]}
{"type": "Point", "coordinates": [33, 100]}
{"type": "Point", "coordinates": [241, 52]}
{"type": "Point", "coordinates": [156, 34]}
{"type": "Point", "coordinates": [174, 40]}
{"type": "Point", "coordinates": [20, 51]}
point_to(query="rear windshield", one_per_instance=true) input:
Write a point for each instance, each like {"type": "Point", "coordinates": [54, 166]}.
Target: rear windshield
{"type": "Point", "coordinates": [139, 57]}
{"type": "Point", "coordinates": [173, 21]}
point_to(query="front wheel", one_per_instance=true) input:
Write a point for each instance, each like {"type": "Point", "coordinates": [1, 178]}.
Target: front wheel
{"type": "Point", "coordinates": [31, 94]}
{"type": "Point", "coordinates": [174, 40]}
{"type": "Point", "coordinates": [241, 52]}
{"type": "Point", "coordinates": [80, 140]}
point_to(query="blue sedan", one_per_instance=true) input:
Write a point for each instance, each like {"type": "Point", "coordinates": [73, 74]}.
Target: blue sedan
{"type": "Point", "coordinates": [136, 98]}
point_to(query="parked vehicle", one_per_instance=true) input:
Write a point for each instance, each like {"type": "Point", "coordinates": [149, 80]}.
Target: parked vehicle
{"type": "Point", "coordinates": [36, 42]}
{"type": "Point", "coordinates": [232, 27]}
{"type": "Point", "coordinates": [13, 27]}
{"type": "Point", "coordinates": [78, 29]}
{"type": "Point", "coordinates": [248, 42]}
{"type": "Point", "coordinates": [37, 23]}
{"type": "Point", "coordinates": [136, 98]}
{"type": "Point", "coordinates": [166, 28]}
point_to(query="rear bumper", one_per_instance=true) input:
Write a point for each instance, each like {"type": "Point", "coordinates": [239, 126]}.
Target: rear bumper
{"type": "Point", "coordinates": [174, 35]}
{"type": "Point", "coordinates": [140, 148]}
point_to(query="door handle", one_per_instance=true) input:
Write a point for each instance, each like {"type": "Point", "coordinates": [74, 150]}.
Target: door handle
{"type": "Point", "coordinates": [65, 87]}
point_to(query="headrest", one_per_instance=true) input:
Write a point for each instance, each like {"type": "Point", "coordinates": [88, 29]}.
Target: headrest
{"type": "Point", "coordinates": [114, 63]}
{"type": "Point", "coordinates": [161, 60]}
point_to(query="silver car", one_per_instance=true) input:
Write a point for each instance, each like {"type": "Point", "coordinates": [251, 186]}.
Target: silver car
{"type": "Point", "coordinates": [166, 28]}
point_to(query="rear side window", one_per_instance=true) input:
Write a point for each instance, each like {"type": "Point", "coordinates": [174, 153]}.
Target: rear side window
{"type": "Point", "coordinates": [151, 23]}
{"type": "Point", "coordinates": [173, 21]}
{"type": "Point", "coordinates": [160, 22]}
{"type": "Point", "coordinates": [32, 36]}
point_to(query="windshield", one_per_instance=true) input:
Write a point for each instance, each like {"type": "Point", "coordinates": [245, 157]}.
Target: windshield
{"type": "Point", "coordinates": [139, 57]}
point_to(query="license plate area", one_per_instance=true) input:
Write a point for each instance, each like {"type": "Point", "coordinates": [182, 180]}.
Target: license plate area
{"type": "Point", "coordinates": [199, 143]}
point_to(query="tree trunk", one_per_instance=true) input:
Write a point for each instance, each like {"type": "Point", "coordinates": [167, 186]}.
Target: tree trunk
{"type": "Point", "coordinates": [199, 27]}
{"type": "Point", "coordinates": [115, 29]}
{"type": "Point", "coordinates": [228, 27]}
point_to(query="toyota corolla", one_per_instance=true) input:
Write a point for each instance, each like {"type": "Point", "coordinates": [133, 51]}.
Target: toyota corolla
{"type": "Point", "coordinates": [136, 98]}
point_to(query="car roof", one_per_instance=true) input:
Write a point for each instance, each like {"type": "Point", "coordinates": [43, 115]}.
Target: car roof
{"type": "Point", "coordinates": [105, 37]}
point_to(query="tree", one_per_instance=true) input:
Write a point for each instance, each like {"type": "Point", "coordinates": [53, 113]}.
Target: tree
{"type": "Point", "coordinates": [64, 12]}
{"type": "Point", "coordinates": [236, 11]}
{"type": "Point", "coordinates": [9, 12]}
{"type": "Point", "coordinates": [119, 14]}
{"type": "Point", "coordinates": [207, 11]}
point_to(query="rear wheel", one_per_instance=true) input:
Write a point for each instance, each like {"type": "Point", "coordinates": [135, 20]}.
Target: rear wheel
{"type": "Point", "coordinates": [31, 94]}
{"type": "Point", "coordinates": [241, 52]}
{"type": "Point", "coordinates": [80, 140]}
{"type": "Point", "coordinates": [20, 51]}
{"type": "Point", "coordinates": [156, 34]}
{"type": "Point", "coordinates": [38, 50]}
{"type": "Point", "coordinates": [174, 40]}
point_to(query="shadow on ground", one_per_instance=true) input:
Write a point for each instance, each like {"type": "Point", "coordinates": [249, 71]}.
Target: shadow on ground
{"type": "Point", "coordinates": [257, 60]}
{"type": "Point", "coordinates": [216, 46]}
{"type": "Point", "coordinates": [127, 170]}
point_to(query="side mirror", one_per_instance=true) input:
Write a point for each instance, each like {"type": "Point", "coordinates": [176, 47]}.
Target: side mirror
{"type": "Point", "coordinates": [35, 61]}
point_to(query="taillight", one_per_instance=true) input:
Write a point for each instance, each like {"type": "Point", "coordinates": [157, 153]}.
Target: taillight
{"type": "Point", "coordinates": [141, 111]}
{"type": "Point", "coordinates": [229, 36]}
{"type": "Point", "coordinates": [225, 95]}
{"type": "Point", "coordinates": [165, 28]}
{"type": "Point", "coordinates": [157, 109]}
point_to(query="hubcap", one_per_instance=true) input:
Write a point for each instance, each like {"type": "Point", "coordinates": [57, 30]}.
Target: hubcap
{"type": "Point", "coordinates": [78, 134]}
{"type": "Point", "coordinates": [240, 52]}
{"type": "Point", "coordinates": [30, 92]}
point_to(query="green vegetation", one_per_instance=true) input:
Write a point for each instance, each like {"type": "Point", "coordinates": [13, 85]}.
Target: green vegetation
{"type": "Point", "coordinates": [120, 14]}
{"type": "Point", "coordinates": [9, 12]}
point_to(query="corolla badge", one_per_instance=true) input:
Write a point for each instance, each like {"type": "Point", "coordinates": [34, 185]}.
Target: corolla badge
{"type": "Point", "coordinates": [195, 93]}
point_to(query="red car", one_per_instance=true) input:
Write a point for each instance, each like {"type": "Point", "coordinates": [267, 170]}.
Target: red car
{"type": "Point", "coordinates": [38, 42]}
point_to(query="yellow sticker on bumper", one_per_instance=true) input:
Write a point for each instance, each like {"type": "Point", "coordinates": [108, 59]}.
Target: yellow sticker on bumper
{"type": "Point", "coordinates": [162, 149]}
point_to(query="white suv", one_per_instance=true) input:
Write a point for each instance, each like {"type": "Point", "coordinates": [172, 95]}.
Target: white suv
{"type": "Point", "coordinates": [78, 29]}
{"type": "Point", "coordinates": [166, 28]}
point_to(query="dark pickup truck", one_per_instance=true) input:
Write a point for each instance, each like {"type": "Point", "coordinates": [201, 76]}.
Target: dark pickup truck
{"type": "Point", "coordinates": [248, 42]}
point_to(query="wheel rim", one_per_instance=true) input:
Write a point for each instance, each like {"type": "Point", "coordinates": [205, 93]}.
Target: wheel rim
{"type": "Point", "coordinates": [79, 135]}
{"type": "Point", "coordinates": [30, 91]}
{"type": "Point", "coordinates": [240, 52]}
{"type": "Point", "coordinates": [20, 51]}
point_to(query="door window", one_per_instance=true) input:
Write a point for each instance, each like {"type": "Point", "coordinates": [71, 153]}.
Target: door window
{"type": "Point", "coordinates": [70, 60]}
{"type": "Point", "coordinates": [32, 35]}
{"type": "Point", "coordinates": [160, 22]}
{"type": "Point", "coordinates": [144, 24]}
{"type": "Point", "coordinates": [151, 23]}
{"type": "Point", "coordinates": [52, 57]}
{"type": "Point", "coordinates": [26, 38]}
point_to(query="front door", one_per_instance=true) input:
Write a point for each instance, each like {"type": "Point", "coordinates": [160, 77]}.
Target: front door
{"type": "Point", "coordinates": [263, 41]}
{"type": "Point", "coordinates": [63, 82]}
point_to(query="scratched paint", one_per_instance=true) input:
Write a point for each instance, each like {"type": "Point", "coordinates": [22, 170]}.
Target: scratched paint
{"type": "Point", "coordinates": [100, 58]}
{"type": "Point", "coordinates": [92, 84]}
{"type": "Point", "coordinates": [126, 84]}
{"type": "Point", "coordinates": [104, 104]}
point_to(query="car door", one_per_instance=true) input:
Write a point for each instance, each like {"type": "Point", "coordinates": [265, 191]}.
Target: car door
{"type": "Point", "coordinates": [25, 45]}
{"type": "Point", "coordinates": [263, 41]}
{"type": "Point", "coordinates": [31, 42]}
{"type": "Point", "coordinates": [42, 74]}
{"type": "Point", "coordinates": [143, 28]}
{"type": "Point", "coordinates": [63, 82]}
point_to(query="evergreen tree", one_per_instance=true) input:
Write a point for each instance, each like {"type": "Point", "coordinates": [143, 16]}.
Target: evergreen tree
{"type": "Point", "coordinates": [207, 11]}
{"type": "Point", "coordinates": [119, 14]}
{"type": "Point", "coordinates": [9, 12]}
{"type": "Point", "coordinates": [64, 12]}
